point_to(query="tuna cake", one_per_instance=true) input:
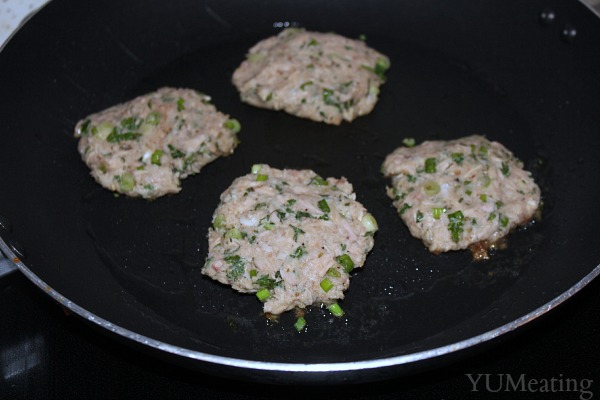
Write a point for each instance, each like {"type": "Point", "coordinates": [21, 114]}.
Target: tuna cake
{"type": "Point", "coordinates": [320, 76]}
{"type": "Point", "coordinates": [289, 236]}
{"type": "Point", "coordinates": [458, 194]}
{"type": "Point", "coordinates": [144, 147]}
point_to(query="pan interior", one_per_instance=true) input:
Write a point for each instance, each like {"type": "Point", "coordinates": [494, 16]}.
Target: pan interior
{"type": "Point", "coordinates": [137, 263]}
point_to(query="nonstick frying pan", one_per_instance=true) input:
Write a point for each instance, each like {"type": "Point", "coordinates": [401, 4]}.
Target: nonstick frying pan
{"type": "Point", "coordinates": [523, 73]}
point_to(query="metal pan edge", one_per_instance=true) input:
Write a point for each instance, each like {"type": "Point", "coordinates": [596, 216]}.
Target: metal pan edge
{"type": "Point", "coordinates": [320, 369]}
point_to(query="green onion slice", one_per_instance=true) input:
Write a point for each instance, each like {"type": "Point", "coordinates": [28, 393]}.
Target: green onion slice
{"type": "Point", "coordinates": [324, 206]}
{"type": "Point", "coordinates": [369, 223]}
{"type": "Point", "coordinates": [219, 221]}
{"type": "Point", "coordinates": [154, 118]}
{"type": "Point", "coordinates": [155, 158]}
{"type": "Point", "coordinates": [437, 212]}
{"type": "Point", "coordinates": [233, 125]}
{"type": "Point", "coordinates": [333, 272]}
{"type": "Point", "coordinates": [431, 188]}
{"type": "Point", "coordinates": [345, 261]}
{"type": "Point", "coordinates": [409, 142]}
{"type": "Point", "coordinates": [127, 182]}
{"type": "Point", "coordinates": [326, 285]}
{"type": "Point", "coordinates": [263, 294]}
{"type": "Point", "coordinates": [256, 168]}
{"type": "Point", "coordinates": [336, 310]}
{"type": "Point", "coordinates": [300, 324]}
{"type": "Point", "coordinates": [430, 165]}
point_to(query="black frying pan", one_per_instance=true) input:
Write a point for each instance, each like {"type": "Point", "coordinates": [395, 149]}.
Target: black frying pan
{"type": "Point", "coordinates": [132, 267]}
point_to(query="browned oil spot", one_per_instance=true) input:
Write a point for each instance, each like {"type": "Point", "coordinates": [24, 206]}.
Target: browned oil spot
{"type": "Point", "coordinates": [272, 317]}
{"type": "Point", "coordinates": [299, 312]}
{"type": "Point", "coordinates": [16, 260]}
{"type": "Point", "coordinates": [480, 250]}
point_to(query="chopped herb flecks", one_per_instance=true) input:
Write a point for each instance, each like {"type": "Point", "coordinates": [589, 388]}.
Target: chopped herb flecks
{"type": "Point", "coordinates": [455, 225]}
{"type": "Point", "coordinates": [299, 252]}
{"type": "Point", "coordinates": [236, 267]}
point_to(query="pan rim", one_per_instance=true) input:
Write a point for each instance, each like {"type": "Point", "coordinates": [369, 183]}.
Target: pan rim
{"type": "Point", "coordinates": [324, 367]}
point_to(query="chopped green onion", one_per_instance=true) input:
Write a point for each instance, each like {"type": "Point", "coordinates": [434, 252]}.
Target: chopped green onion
{"type": "Point", "coordinates": [131, 123]}
{"type": "Point", "coordinates": [505, 169]}
{"type": "Point", "coordinates": [127, 182]}
{"type": "Point", "coordinates": [457, 157]}
{"type": "Point", "coordinates": [345, 261]}
{"type": "Point", "coordinates": [84, 128]}
{"type": "Point", "coordinates": [313, 42]}
{"type": "Point", "coordinates": [326, 285]}
{"type": "Point", "coordinates": [333, 272]}
{"type": "Point", "coordinates": [297, 232]}
{"type": "Point", "coordinates": [419, 217]}
{"type": "Point", "coordinates": [503, 221]}
{"type": "Point", "coordinates": [303, 214]}
{"type": "Point", "coordinates": [405, 207]}
{"type": "Point", "coordinates": [267, 282]}
{"type": "Point", "coordinates": [330, 99]}
{"type": "Point", "coordinates": [154, 118]}
{"type": "Point", "coordinates": [103, 129]}
{"type": "Point", "coordinates": [175, 153]}
{"type": "Point", "coordinates": [236, 267]}
{"type": "Point", "coordinates": [324, 206]}
{"type": "Point", "coordinates": [483, 197]}
{"type": "Point", "coordinates": [256, 168]}
{"type": "Point", "coordinates": [299, 252]}
{"type": "Point", "coordinates": [255, 57]}
{"type": "Point", "coordinates": [305, 84]}
{"type": "Point", "coordinates": [431, 188]}
{"type": "Point", "coordinates": [180, 104]}
{"type": "Point", "coordinates": [430, 165]}
{"type": "Point", "coordinates": [116, 137]}
{"type": "Point", "coordinates": [261, 177]}
{"type": "Point", "coordinates": [219, 221]}
{"type": "Point", "coordinates": [369, 223]}
{"type": "Point", "coordinates": [437, 212]}
{"type": "Point", "coordinates": [491, 216]}
{"type": "Point", "coordinates": [409, 142]}
{"type": "Point", "coordinates": [155, 158]}
{"type": "Point", "coordinates": [317, 180]}
{"type": "Point", "coordinates": [373, 90]}
{"type": "Point", "coordinates": [268, 225]}
{"type": "Point", "coordinates": [234, 233]}
{"type": "Point", "coordinates": [300, 324]}
{"type": "Point", "coordinates": [253, 273]}
{"type": "Point", "coordinates": [233, 125]}
{"type": "Point", "coordinates": [263, 294]}
{"type": "Point", "coordinates": [336, 310]}
{"type": "Point", "coordinates": [455, 226]}
{"type": "Point", "coordinates": [381, 66]}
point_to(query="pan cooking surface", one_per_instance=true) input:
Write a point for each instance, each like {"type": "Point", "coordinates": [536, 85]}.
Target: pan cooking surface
{"type": "Point", "coordinates": [137, 263]}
